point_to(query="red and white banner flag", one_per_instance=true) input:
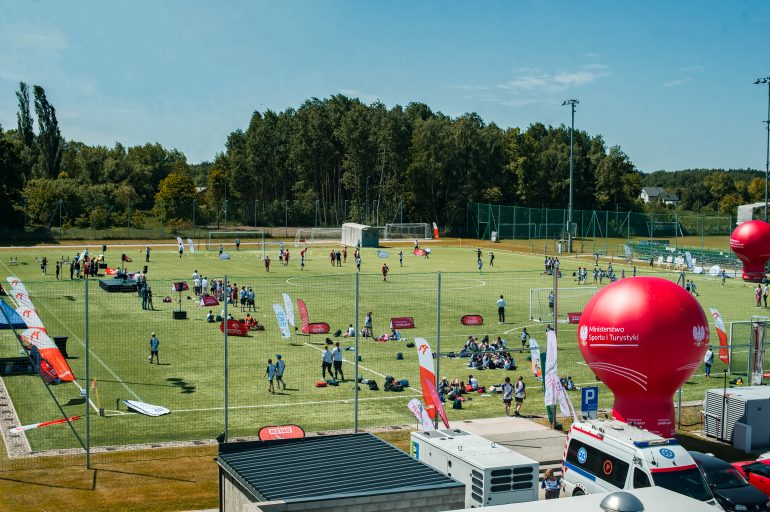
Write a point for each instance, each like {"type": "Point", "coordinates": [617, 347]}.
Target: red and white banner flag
{"type": "Point", "coordinates": [303, 316]}
{"type": "Point", "coordinates": [430, 396]}
{"type": "Point", "coordinates": [724, 348]}
{"type": "Point", "coordinates": [435, 231]}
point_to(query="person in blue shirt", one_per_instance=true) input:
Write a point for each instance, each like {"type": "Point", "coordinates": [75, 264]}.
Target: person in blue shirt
{"type": "Point", "coordinates": [280, 367]}
{"type": "Point", "coordinates": [270, 374]}
{"type": "Point", "coordinates": [154, 344]}
{"type": "Point", "coordinates": [552, 485]}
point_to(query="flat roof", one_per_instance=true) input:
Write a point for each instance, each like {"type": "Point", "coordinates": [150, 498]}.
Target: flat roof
{"type": "Point", "coordinates": [326, 467]}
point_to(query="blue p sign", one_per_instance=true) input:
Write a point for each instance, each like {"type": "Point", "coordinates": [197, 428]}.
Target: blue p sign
{"type": "Point", "coordinates": [589, 401]}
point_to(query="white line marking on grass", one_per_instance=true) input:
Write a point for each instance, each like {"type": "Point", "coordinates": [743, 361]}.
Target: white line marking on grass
{"type": "Point", "coordinates": [266, 406]}
{"type": "Point", "coordinates": [360, 366]}
{"type": "Point", "coordinates": [97, 358]}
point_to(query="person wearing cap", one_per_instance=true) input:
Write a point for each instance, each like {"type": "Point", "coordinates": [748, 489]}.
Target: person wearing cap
{"type": "Point", "coordinates": [154, 343]}
{"type": "Point", "coordinates": [280, 367]}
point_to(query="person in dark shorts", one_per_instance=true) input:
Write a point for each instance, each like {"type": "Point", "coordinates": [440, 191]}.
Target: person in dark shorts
{"type": "Point", "coordinates": [337, 360]}
{"type": "Point", "coordinates": [154, 345]}
{"type": "Point", "coordinates": [507, 395]}
{"type": "Point", "coordinates": [270, 374]}
{"type": "Point", "coordinates": [280, 367]}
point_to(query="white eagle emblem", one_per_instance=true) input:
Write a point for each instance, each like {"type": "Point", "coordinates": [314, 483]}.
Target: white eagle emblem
{"type": "Point", "coordinates": [584, 334]}
{"type": "Point", "coordinates": [698, 334]}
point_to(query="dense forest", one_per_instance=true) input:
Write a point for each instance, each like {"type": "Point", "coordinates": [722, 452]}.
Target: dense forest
{"type": "Point", "coordinates": [328, 161]}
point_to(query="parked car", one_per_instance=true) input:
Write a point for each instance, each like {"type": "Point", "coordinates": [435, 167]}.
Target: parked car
{"type": "Point", "coordinates": [730, 489]}
{"type": "Point", "coordinates": [757, 472]}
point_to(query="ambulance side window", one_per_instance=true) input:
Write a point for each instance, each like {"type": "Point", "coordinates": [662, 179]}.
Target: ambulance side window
{"type": "Point", "coordinates": [640, 479]}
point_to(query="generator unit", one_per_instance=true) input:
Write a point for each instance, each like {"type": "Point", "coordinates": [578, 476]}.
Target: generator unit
{"type": "Point", "coordinates": [724, 410]}
{"type": "Point", "coordinates": [492, 474]}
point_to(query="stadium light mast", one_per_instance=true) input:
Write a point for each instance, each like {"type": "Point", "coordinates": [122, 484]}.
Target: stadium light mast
{"type": "Point", "coordinates": [572, 103]}
{"type": "Point", "coordinates": [766, 80]}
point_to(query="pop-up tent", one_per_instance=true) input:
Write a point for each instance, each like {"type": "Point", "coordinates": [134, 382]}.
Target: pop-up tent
{"type": "Point", "coordinates": [9, 318]}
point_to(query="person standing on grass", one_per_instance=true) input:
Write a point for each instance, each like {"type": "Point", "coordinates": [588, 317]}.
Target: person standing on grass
{"type": "Point", "coordinates": [524, 337]}
{"type": "Point", "coordinates": [270, 374]}
{"type": "Point", "coordinates": [368, 332]}
{"type": "Point", "coordinates": [501, 309]}
{"type": "Point", "coordinates": [326, 363]}
{"type": "Point", "coordinates": [401, 258]}
{"type": "Point", "coordinates": [280, 367]}
{"type": "Point", "coordinates": [765, 292]}
{"type": "Point", "coordinates": [385, 270]}
{"type": "Point", "coordinates": [507, 395]}
{"type": "Point", "coordinates": [58, 270]}
{"type": "Point", "coordinates": [491, 259]}
{"type": "Point", "coordinates": [708, 360]}
{"type": "Point", "coordinates": [758, 295]}
{"type": "Point", "coordinates": [154, 344]}
{"type": "Point", "coordinates": [147, 254]}
{"type": "Point", "coordinates": [479, 263]}
{"type": "Point", "coordinates": [267, 263]}
{"type": "Point", "coordinates": [337, 359]}
{"type": "Point", "coordinates": [358, 263]}
{"type": "Point", "coordinates": [237, 244]}
{"type": "Point", "coordinates": [519, 393]}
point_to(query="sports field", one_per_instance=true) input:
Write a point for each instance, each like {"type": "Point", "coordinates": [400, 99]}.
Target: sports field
{"type": "Point", "coordinates": [190, 378]}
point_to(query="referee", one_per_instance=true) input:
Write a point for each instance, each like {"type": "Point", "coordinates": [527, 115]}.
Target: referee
{"type": "Point", "coordinates": [501, 309]}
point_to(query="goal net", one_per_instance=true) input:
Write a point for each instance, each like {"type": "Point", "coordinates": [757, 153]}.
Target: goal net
{"type": "Point", "coordinates": [568, 300]}
{"type": "Point", "coordinates": [249, 239]}
{"type": "Point", "coordinates": [419, 230]}
{"type": "Point", "coordinates": [664, 229]}
{"type": "Point", "coordinates": [306, 235]}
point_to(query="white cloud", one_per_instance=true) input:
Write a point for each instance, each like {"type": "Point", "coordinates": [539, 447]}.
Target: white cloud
{"type": "Point", "coordinates": [675, 83]}
{"type": "Point", "coordinates": [371, 98]}
{"type": "Point", "coordinates": [592, 55]}
{"type": "Point", "coordinates": [50, 39]}
{"type": "Point", "coordinates": [689, 69]}
{"type": "Point", "coordinates": [468, 87]}
{"type": "Point", "coordinates": [558, 80]}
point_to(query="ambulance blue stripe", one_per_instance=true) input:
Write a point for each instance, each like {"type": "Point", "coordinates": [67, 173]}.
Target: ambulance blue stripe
{"type": "Point", "coordinates": [580, 471]}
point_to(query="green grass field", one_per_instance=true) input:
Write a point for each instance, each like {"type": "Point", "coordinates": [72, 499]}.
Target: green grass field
{"type": "Point", "coordinates": [190, 380]}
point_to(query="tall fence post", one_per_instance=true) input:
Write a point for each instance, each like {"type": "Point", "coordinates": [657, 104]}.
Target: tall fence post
{"type": "Point", "coordinates": [226, 375]}
{"type": "Point", "coordinates": [355, 373]}
{"type": "Point", "coordinates": [438, 340]}
{"type": "Point", "coordinates": [88, 387]}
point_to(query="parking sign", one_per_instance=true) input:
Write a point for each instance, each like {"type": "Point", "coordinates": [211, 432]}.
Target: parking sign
{"type": "Point", "coordinates": [589, 402]}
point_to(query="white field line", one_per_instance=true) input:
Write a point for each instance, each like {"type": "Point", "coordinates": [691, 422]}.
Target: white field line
{"type": "Point", "coordinates": [96, 357]}
{"type": "Point", "coordinates": [361, 366]}
{"type": "Point", "coordinates": [266, 406]}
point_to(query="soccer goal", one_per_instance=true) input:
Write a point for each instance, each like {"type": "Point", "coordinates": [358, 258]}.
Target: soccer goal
{"type": "Point", "coordinates": [747, 349]}
{"type": "Point", "coordinates": [305, 236]}
{"type": "Point", "coordinates": [570, 300]}
{"type": "Point", "coordinates": [248, 238]}
{"type": "Point", "coordinates": [664, 229]}
{"type": "Point", "coordinates": [418, 230]}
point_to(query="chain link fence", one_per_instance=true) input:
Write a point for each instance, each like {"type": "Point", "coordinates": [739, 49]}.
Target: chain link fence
{"type": "Point", "coordinates": [212, 383]}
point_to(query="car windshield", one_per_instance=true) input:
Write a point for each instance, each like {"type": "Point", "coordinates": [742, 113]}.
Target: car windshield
{"type": "Point", "coordinates": [688, 482]}
{"type": "Point", "coordinates": [725, 478]}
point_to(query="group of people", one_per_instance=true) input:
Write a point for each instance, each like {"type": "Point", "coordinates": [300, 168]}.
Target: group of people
{"type": "Point", "coordinates": [551, 265]}
{"type": "Point", "coordinates": [760, 294]}
{"type": "Point", "coordinates": [511, 391]}
{"type": "Point", "coordinates": [332, 359]}
{"type": "Point", "coordinates": [337, 257]}
{"type": "Point", "coordinates": [486, 354]}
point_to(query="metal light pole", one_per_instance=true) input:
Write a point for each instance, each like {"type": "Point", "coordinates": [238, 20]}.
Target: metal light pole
{"type": "Point", "coordinates": [572, 104]}
{"type": "Point", "coordinates": [366, 202]}
{"type": "Point", "coordinates": [286, 218]}
{"type": "Point", "coordinates": [766, 80]}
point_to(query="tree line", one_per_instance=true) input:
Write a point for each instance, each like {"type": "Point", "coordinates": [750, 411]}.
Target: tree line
{"type": "Point", "coordinates": [329, 161]}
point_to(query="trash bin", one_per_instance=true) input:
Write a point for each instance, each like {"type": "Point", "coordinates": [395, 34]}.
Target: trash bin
{"type": "Point", "coordinates": [61, 344]}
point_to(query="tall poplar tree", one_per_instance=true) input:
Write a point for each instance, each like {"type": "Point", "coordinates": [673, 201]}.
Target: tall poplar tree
{"type": "Point", "coordinates": [49, 137]}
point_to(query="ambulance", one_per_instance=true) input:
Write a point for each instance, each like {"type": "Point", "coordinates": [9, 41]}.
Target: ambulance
{"type": "Point", "coordinates": [609, 455]}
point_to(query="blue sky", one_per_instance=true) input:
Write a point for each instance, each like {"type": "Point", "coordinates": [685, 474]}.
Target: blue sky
{"type": "Point", "coordinates": [671, 82]}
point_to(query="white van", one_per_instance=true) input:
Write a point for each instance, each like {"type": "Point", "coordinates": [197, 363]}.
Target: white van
{"type": "Point", "coordinates": [608, 455]}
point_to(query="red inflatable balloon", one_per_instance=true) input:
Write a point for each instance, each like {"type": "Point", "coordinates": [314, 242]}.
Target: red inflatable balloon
{"type": "Point", "coordinates": [643, 337]}
{"type": "Point", "coordinates": [751, 243]}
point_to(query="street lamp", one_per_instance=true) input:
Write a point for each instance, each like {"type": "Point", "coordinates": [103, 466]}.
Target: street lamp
{"type": "Point", "coordinates": [572, 104]}
{"type": "Point", "coordinates": [766, 80]}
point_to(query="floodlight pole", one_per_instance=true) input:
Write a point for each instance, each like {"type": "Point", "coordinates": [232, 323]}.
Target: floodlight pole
{"type": "Point", "coordinates": [286, 218]}
{"type": "Point", "coordinates": [572, 104]}
{"type": "Point", "coordinates": [766, 80]}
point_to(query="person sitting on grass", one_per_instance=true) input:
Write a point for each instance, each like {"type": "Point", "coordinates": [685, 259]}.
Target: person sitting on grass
{"type": "Point", "coordinates": [210, 317]}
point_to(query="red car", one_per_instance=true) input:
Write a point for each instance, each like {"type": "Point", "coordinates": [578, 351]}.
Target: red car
{"type": "Point", "coordinates": [757, 472]}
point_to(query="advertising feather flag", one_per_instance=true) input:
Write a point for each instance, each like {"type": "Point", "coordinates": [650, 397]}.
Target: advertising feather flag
{"type": "Point", "coordinates": [430, 396]}
{"type": "Point", "coordinates": [554, 391]}
{"type": "Point", "coordinates": [724, 349]}
{"type": "Point", "coordinates": [289, 307]}
{"type": "Point", "coordinates": [283, 323]}
{"type": "Point", "coordinates": [419, 412]}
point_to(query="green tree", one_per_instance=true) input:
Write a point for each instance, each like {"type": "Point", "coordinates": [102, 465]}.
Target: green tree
{"type": "Point", "coordinates": [49, 137]}
{"type": "Point", "coordinates": [175, 195]}
{"type": "Point", "coordinates": [11, 164]}
{"type": "Point", "coordinates": [24, 117]}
